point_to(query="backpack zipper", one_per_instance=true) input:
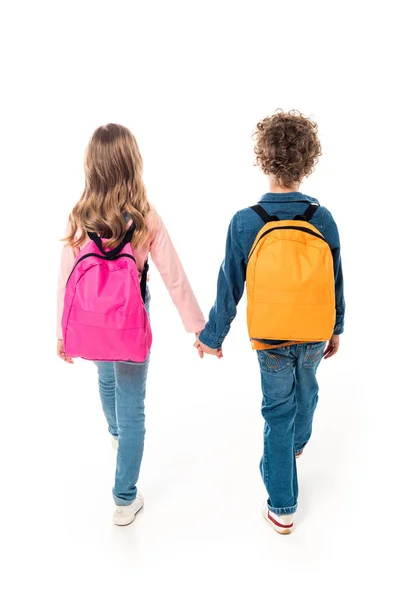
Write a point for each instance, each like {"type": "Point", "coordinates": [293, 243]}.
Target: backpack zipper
{"type": "Point", "coordinates": [317, 235]}
{"type": "Point", "coordinates": [99, 256]}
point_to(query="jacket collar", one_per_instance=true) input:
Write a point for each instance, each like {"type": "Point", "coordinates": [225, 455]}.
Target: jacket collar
{"type": "Point", "coordinates": [287, 197]}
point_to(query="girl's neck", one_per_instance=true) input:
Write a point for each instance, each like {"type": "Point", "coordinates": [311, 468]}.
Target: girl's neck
{"type": "Point", "coordinates": [275, 188]}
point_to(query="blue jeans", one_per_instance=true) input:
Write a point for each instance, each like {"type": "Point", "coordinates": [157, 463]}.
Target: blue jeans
{"type": "Point", "coordinates": [122, 387]}
{"type": "Point", "coordinates": [290, 396]}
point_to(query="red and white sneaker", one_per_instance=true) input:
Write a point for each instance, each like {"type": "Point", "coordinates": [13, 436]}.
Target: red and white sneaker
{"type": "Point", "coordinates": [283, 524]}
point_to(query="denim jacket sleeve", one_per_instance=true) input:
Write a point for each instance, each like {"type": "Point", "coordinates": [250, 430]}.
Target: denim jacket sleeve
{"type": "Point", "coordinates": [230, 287]}
{"type": "Point", "coordinates": [331, 234]}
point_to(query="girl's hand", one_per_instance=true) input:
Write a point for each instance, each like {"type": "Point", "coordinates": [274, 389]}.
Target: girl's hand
{"type": "Point", "coordinates": [197, 345]}
{"type": "Point", "coordinates": [203, 349]}
{"type": "Point", "coordinates": [332, 347]}
{"type": "Point", "coordinates": [61, 352]}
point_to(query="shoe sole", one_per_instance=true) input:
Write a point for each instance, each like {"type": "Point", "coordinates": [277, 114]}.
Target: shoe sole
{"type": "Point", "coordinates": [280, 530]}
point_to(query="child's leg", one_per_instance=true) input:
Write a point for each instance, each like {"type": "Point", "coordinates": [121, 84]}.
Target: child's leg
{"type": "Point", "coordinates": [310, 356]}
{"type": "Point", "coordinates": [107, 394]}
{"type": "Point", "coordinates": [278, 464]}
{"type": "Point", "coordinates": [130, 394]}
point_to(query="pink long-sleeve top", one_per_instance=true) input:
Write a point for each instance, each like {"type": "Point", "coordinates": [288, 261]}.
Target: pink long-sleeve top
{"type": "Point", "coordinates": [165, 257]}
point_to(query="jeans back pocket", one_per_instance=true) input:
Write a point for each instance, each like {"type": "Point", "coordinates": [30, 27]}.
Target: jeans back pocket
{"type": "Point", "coordinates": [313, 355]}
{"type": "Point", "coordinates": [274, 360]}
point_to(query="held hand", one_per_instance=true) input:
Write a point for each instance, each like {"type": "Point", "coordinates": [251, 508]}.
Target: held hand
{"type": "Point", "coordinates": [61, 352]}
{"type": "Point", "coordinates": [203, 349]}
{"type": "Point", "coordinates": [332, 347]}
{"type": "Point", "coordinates": [197, 345]}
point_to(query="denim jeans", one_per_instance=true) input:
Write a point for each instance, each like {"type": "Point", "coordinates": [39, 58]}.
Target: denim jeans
{"type": "Point", "coordinates": [122, 387]}
{"type": "Point", "coordinates": [290, 396]}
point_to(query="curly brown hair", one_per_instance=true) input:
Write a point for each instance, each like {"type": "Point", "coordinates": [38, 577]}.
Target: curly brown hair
{"type": "Point", "coordinates": [287, 147]}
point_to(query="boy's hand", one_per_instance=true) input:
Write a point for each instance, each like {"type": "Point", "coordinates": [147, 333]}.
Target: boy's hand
{"type": "Point", "coordinates": [332, 347]}
{"type": "Point", "coordinates": [202, 349]}
{"type": "Point", "coordinates": [61, 352]}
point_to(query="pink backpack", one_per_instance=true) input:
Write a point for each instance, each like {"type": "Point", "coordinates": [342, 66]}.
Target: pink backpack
{"type": "Point", "coordinates": [104, 314]}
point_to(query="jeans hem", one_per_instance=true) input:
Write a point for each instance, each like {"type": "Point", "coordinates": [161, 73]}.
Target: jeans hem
{"type": "Point", "coordinates": [282, 511]}
{"type": "Point", "coordinates": [120, 502]}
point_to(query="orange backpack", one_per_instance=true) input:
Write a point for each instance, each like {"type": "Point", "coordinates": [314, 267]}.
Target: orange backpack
{"type": "Point", "coordinates": [290, 281]}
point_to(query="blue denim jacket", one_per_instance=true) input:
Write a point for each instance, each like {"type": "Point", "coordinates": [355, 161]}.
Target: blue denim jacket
{"type": "Point", "coordinates": [242, 232]}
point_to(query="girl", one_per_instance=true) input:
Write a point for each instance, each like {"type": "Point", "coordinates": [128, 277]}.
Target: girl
{"type": "Point", "coordinates": [114, 198]}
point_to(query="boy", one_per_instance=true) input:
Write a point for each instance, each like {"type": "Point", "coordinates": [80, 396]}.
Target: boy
{"type": "Point", "coordinates": [287, 149]}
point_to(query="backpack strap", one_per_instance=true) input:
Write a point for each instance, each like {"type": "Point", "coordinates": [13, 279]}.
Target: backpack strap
{"type": "Point", "coordinates": [262, 213]}
{"type": "Point", "coordinates": [115, 251]}
{"type": "Point", "coordinates": [309, 213]}
{"type": "Point", "coordinates": [143, 281]}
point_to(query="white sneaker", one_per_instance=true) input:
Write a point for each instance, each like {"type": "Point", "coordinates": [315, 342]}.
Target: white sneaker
{"type": "Point", "coordinates": [114, 443]}
{"type": "Point", "coordinates": [281, 523]}
{"type": "Point", "coordinates": [124, 515]}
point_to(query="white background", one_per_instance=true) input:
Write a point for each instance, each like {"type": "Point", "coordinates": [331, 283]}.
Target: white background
{"type": "Point", "coordinates": [191, 80]}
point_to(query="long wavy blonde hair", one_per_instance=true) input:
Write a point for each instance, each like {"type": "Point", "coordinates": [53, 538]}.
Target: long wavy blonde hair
{"type": "Point", "coordinates": [114, 189]}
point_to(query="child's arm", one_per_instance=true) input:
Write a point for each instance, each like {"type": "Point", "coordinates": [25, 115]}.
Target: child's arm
{"type": "Point", "coordinates": [171, 270]}
{"type": "Point", "coordinates": [230, 287]}
{"type": "Point", "coordinates": [68, 256]}
{"type": "Point", "coordinates": [339, 291]}
{"type": "Point", "coordinates": [332, 236]}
